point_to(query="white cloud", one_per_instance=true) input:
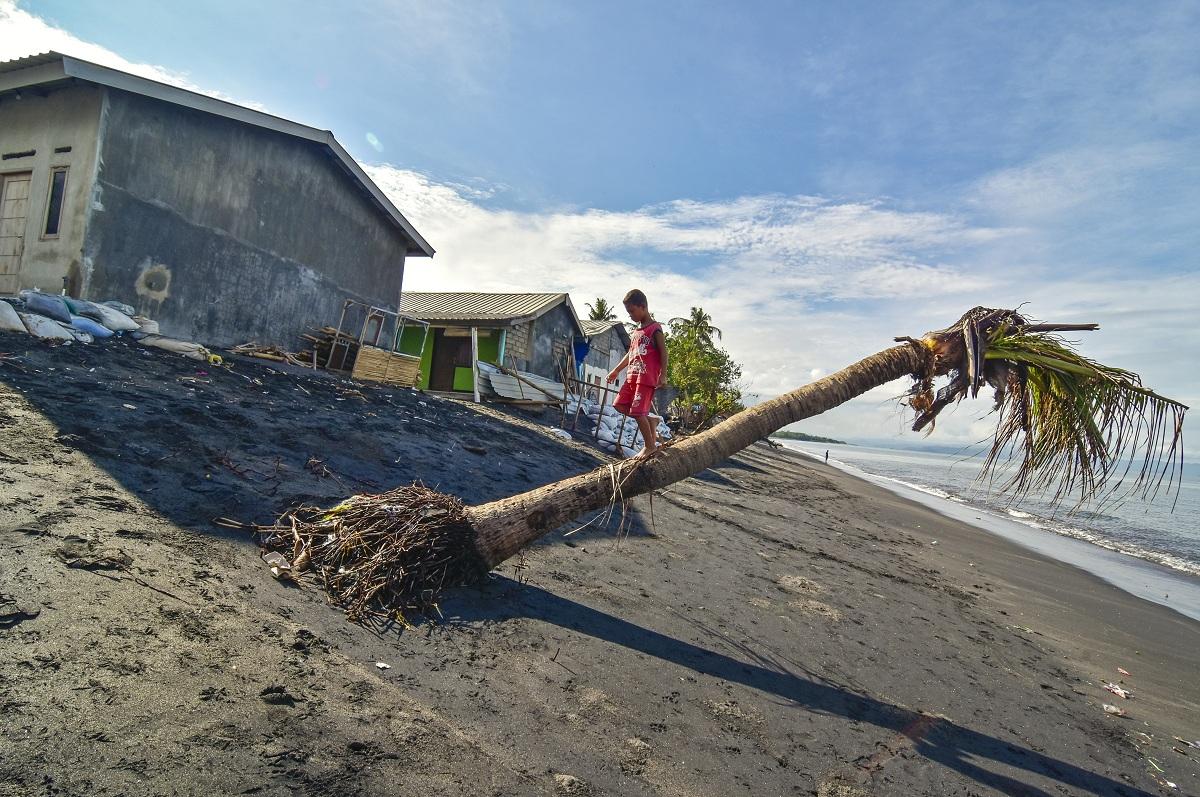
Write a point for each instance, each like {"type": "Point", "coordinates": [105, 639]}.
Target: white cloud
{"type": "Point", "coordinates": [800, 285]}
{"type": "Point", "coordinates": [23, 33]}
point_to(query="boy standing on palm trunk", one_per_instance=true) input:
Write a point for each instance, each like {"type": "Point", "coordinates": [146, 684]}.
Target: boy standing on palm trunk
{"type": "Point", "coordinates": [647, 362]}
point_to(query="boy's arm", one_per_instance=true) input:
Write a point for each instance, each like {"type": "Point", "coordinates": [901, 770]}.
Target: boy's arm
{"type": "Point", "coordinates": [660, 341]}
{"type": "Point", "coordinates": [612, 375]}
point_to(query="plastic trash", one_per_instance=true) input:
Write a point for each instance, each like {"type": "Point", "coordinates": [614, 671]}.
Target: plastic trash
{"type": "Point", "coordinates": [47, 304]}
{"type": "Point", "coordinates": [1124, 672]}
{"type": "Point", "coordinates": [1118, 690]}
{"type": "Point", "coordinates": [280, 567]}
{"type": "Point", "coordinates": [563, 433]}
{"type": "Point", "coordinates": [46, 328]}
{"type": "Point", "coordinates": [9, 320]}
{"type": "Point", "coordinates": [93, 328]}
{"type": "Point", "coordinates": [383, 665]}
{"type": "Point", "coordinates": [1111, 709]}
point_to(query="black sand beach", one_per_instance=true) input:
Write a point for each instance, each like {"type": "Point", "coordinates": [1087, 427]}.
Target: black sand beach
{"type": "Point", "coordinates": [772, 626]}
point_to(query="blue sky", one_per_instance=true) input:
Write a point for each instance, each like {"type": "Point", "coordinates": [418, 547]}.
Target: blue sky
{"type": "Point", "coordinates": [820, 176]}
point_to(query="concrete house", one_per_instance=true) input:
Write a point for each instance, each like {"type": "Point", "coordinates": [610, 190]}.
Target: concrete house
{"type": "Point", "coordinates": [224, 223]}
{"type": "Point", "coordinates": [532, 332]}
{"type": "Point", "coordinates": [608, 342]}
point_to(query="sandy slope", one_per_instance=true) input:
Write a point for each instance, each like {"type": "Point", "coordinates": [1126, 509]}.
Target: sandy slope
{"type": "Point", "coordinates": [779, 629]}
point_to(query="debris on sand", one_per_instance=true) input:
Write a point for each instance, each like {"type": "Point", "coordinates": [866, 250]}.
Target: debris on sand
{"type": "Point", "coordinates": [1111, 709]}
{"type": "Point", "coordinates": [280, 567]}
{"type": "Point", "coordinates": [378, 556]}
{"type": "Point", "coordinates": [569, 784]}
{"type": "Point", "coordinates": [1119, 691]}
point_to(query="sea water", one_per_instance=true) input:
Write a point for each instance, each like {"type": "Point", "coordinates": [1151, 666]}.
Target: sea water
{"type": "Point", "coordinates": [1149, 548]}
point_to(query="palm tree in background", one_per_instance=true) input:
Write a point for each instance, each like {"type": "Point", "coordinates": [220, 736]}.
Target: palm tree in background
{"type": "Point", "coordinates": [600, 311]}
{"type": "Point", "coordinates": [1064, 423]}
{"type": "Point", "coordinates": [698, 323]}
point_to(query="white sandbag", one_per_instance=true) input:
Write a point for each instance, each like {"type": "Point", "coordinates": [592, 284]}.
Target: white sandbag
{"type": "Point", "coordinates": [120, 307]}
{"type": "Point", "coordinates": [9, 320]}
{"type": "Point", "coordinates": [45, 328]}
{"type": "Point", "coordinates": [147, 326]}
{"type": "Point", "coordinates": [182, 347]}
{"type": "Point", "coordinates": [113, 319]}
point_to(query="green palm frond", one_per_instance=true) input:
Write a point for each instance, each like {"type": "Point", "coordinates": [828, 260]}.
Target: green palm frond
{"type": "Point", "coordinates": [1066, 423]}
{"type": "Point", "coordinates": [1081, 427]}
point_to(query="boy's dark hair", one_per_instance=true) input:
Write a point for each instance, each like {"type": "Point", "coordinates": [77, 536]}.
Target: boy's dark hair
{"type": "Point", "coordinates": [635, 297]}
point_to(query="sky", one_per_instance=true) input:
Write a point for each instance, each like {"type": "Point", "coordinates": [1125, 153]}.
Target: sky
{"type": "Point", "coordinates": [820, 177]}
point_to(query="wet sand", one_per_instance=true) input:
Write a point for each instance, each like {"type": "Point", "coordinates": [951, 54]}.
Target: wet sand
{"type": "Point", "coordinates": [772, 626]}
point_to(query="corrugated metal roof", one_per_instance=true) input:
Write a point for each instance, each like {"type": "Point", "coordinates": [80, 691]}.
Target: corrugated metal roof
{"type": "Point", "coordinates": [479, 306]}
{"type": "Point", "coordinates": [49, 68]}
{"type": "Point", "coordinates": [591, 327]}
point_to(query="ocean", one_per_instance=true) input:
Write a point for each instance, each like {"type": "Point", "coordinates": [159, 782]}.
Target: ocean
{"type": "Point", "coordinates": [1149, 548]}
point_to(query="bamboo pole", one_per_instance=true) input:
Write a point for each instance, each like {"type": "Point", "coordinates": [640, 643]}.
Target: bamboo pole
{"type": "Point", "coordinates": [475, 362]}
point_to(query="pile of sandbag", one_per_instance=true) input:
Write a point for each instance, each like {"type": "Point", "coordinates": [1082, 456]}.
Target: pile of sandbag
{"type": "Point", "coordinates": [63, 318]}
{"type": "Point", "coordinates": [613, 430]}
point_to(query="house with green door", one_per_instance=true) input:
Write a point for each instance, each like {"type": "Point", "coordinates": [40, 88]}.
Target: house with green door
{"type": "Point", "coordinates": [532, 332]}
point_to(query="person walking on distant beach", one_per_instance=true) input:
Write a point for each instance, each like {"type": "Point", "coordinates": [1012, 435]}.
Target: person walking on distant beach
{"type": "Point", "coordinates": [647, 362]}
{"type": "Point", "coordinates": [827, 456]}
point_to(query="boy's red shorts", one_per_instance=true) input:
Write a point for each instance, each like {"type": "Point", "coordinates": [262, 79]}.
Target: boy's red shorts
{"type": "Point", "coordinates": [634, 399]}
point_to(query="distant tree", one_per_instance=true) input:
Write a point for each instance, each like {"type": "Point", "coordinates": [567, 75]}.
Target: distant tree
{"type": "Point", "coordinates": [696, 322]}
{"type": "Point", "coordinates": [600, 311]}
{"type": "Point", "coordinates": [705, 376]}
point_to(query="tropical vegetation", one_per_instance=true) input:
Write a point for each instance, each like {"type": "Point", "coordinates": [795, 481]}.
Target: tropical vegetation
{"type": "Point", "coordinates": [601, 310]}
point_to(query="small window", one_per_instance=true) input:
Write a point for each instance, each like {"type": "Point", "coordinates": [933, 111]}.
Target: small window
{"type": "Point", "coordinates": [54, 207]}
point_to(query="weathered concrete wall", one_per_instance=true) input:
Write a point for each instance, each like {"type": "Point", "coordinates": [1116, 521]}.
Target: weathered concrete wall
{"type": "Point", "coordinates": [552, 336]}
{"type": "Point", "coordinates": [226, 233]}
{"type": "Point", "coordinates": [66, 117]}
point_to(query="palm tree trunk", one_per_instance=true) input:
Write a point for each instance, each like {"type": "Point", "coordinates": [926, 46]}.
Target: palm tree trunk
{"type": "Point", "coordinates": [504, 527]}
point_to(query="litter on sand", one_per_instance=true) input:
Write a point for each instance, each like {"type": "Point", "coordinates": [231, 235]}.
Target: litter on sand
{"type": "Point", "coordinates": [1124, 671]}
{"type": "Point", "coordinates": [1111, 709]}
{"type": "Point", "coordinates": [1117, 690]}
{"type": "Point", "coordinates": [383, 666]}
{"type": "Point", "coordinates": [280, 566]}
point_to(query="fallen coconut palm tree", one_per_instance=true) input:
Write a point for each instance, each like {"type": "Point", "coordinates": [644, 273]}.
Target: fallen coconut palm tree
{"type": "Point", "coordinates": [1065, 422]}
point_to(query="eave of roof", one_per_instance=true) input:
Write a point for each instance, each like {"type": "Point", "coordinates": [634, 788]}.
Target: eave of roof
{"type": "Point", "coordinates": [50, 68]}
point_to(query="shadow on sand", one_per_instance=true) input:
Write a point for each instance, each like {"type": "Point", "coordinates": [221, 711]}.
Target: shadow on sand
{"type": "Point", "coordinates": [952, 745]}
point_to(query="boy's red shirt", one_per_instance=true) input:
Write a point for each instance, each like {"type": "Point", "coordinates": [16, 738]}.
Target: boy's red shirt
{"type": "Point", "coordinates": [645, 360]}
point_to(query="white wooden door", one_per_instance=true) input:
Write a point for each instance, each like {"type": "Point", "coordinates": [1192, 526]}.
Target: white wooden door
{"type": "Point", "coordinates": [14, 208]}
